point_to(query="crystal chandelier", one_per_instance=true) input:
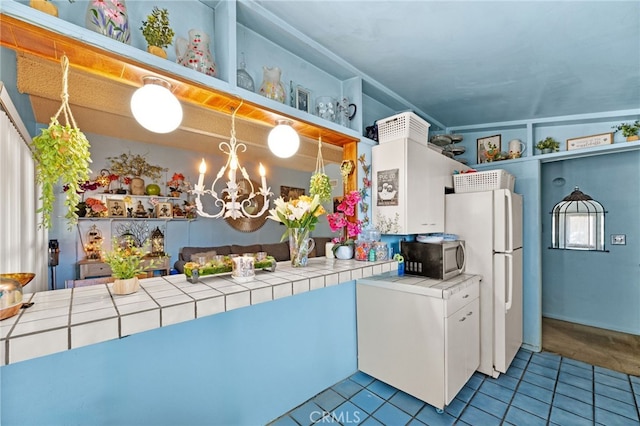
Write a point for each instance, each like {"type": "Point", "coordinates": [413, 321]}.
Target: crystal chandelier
{"type": "Point", "coordinates": [232, 202]}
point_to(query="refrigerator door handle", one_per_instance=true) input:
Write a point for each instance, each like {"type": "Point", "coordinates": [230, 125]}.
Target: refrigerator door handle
{"type": "Point", "coordinates": [509, 248]}
{"type": "Point", "coordinates": [509, 300]}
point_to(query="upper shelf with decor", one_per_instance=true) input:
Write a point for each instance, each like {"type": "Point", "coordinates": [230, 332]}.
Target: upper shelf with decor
{"type": "Point", "coordinates": [27, 30]}
{"type": "Point", "coordinates": [577, 136]}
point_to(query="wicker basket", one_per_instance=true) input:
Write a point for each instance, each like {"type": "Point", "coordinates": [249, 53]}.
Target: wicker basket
{"type": "Point", "coordinates": [404, 125]}
{"type": "Point", "coordinates": [483, 181]}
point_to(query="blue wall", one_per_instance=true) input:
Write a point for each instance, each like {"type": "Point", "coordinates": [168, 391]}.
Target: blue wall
{"type": "Point", "coordinates": [8, 76]}
{"type": "Point", "coordinates": [595, 288]}
{"type": "Point", "coordinates": [246, 366]}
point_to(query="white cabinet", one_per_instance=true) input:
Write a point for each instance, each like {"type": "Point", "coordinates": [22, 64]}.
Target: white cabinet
{"type": "Point", "coordinates": [425, 346]}
{"type": "Point", "coordinates": [409, 181]}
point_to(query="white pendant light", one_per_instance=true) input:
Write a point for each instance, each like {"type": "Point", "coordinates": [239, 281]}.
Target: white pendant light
{"type": "Point", "coordinates": [283, 139]}
{"type": "Point", "coordinates": [155, 107]}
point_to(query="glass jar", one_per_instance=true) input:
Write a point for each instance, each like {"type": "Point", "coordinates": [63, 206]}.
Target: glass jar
{"type": "Point", "coordinates": [362, 249]}
{"type": "Point", "coordinates": [382, 251]}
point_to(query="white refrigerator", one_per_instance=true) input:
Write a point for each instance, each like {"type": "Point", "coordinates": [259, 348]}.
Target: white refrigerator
{"type": "Point", "coordinates": [490, 223]}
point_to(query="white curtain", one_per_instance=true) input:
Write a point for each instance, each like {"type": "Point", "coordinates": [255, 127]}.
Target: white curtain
{"type": "Point", "coordinates": [23, 246]}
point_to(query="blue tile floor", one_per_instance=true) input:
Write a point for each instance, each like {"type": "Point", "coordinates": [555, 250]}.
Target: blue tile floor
{"type": "Point", "coordinates": [538, 389]}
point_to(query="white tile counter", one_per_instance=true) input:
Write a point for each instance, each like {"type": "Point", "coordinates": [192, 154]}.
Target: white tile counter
{"type": "Point", "coordinates": [66, 319]}
{"type": "Point", "coordinates": [422, 285]}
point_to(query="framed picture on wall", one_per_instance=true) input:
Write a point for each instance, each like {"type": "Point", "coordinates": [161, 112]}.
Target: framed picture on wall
{"type": "Point", "coordinates": [289, 193]}
{"type": "Point", "coordinates": [488, 148]}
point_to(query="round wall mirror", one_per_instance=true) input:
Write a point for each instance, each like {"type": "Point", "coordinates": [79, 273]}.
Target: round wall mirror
{"type": "Point", "coordinates": [249, 224]}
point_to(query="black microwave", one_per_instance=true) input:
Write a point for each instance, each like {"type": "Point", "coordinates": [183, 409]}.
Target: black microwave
{"type": "Point", "coordinates": [441, 260]}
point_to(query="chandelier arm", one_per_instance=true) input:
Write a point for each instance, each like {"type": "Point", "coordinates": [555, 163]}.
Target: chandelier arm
{"type": "Point", "coordinates": [265, 206]}
{"type": "Point", "coordinates": [200, 209]}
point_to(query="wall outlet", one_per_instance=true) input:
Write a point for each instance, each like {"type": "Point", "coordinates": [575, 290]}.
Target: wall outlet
{"type": "Point", "coordinates": [618, 239]}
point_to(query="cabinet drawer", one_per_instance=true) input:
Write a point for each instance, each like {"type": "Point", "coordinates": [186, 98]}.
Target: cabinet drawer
{"type": "Point", "coordinates": [461, 298]}
{"type": "Point", "coordinates": [94, 269]}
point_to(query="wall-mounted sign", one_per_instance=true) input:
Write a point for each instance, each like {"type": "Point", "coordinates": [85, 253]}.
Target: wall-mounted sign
{"type": "Point", "coordinates": [388, 185]}
{"type": "Point", "coordinates": [589, 141]}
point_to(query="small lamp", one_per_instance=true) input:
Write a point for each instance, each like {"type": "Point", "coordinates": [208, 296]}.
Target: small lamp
{"type": "Point", "coordinates": [155, 107]}
{"type": "Point", "coordinates": [157, 242]}
{"type": "Point", "coordinates": [283, 139]}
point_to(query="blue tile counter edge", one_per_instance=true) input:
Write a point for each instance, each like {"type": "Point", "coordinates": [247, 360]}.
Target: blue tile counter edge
{"type": "Point", "coordinates": [66, 319]}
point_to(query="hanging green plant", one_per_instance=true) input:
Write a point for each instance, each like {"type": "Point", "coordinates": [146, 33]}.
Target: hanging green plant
{"type": "Point", "coordinates": [320, 183]}
{"type": "Point", "coordinates": [62, 154]}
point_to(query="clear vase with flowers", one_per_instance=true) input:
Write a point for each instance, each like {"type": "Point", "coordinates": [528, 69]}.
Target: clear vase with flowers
{"type": "Point", "coordinates": [300, 216]}
{"type": "Point", "coordinates": [344, 221]}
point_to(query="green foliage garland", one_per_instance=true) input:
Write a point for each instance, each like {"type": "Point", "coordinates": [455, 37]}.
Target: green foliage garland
{"type": "Point", "coordinates": [61, 153]}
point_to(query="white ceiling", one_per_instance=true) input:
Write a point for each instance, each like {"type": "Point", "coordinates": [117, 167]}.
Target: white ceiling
{"type": "Point", "coordinates": [470, 62]}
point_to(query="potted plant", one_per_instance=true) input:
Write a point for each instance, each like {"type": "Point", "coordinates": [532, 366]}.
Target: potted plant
{"type": "Point", "coordinates": [157, 32]}
{"type": "Point", "coordinates": [126, 263]}
{"type": "Point", "coordinates": [62, 154]}
{"type": "Point", "coordinates": [548, 145]}
{"type": "Point", "coordinates": [629, 130]}
{"type": "Point", "coordinates": [339, 221]}
{"type": "Point", "coordinates": [135, 165]}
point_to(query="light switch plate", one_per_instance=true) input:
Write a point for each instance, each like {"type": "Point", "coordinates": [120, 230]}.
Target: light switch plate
{"type": "Point", "coordinates": [618, 239]}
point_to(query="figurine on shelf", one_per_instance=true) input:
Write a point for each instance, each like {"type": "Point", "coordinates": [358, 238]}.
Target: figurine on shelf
{"type": "Point", "coordinates": [140, 211]}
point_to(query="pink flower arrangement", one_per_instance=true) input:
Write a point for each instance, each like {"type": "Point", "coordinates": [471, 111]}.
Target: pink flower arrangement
{"type": "Point", "coordinates": [96, 207]}
{"type": "Point", "coordinates": [339, 221]}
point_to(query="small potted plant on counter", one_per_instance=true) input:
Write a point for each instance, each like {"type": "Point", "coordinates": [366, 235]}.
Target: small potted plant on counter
{"type": "Point", "coordinates": [548, 145]}
{"type": "Point", "coordinates": [157, 32]}
{"type": "Point", "coordinates": [344, 246]}
{"type": "Point", "coordinates": [629, 130]}
{"type": "Point", "coordinates": [126, 263]}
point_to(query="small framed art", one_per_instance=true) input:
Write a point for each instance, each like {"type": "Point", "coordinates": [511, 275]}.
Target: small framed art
{"type": "Point", "coordinates": [116, 208]}
{"type": "Point", "coordinates": [488, 147]}
{"type": "Point", "coordinates": [164, 210]}
{"type": "Point", "coordinates": [303, 99]}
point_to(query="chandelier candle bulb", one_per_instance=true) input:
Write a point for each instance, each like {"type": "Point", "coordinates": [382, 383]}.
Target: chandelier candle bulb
{"type": "Point", "coordinates": [203, 169]}
{"type": "Point", "coordinates": [263, 179]}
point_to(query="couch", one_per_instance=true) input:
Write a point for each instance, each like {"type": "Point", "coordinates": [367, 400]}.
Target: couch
{"type": "Point", "coordinates": [280, 251]}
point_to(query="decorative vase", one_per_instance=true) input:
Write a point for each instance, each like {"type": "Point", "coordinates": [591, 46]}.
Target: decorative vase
{"type": "Point", "coordinates": [195, 54]}
{"type": "Point", "coordinates": [272, 87]}
{"type": "Point", "coordinates": [243, 78]}
{"type": "Point", "coordinates": [328, 250]}
{"type": "Point", "coordinates": [109, 18]}
{"type": "Point", "coordinates": [44, 6]}
{"type": "Point", "coordinates": [136, 187]}
{"type": "Point", "coordinates": [126, 286]}
{"type": "Point", "coordinates": [344, 252]}
{"type": "Point", "coordinates": [158, 51]}
{"type": "Point", "coordinates": [300, 245]}
{"type": "Point", "coordinates": [546, 150]}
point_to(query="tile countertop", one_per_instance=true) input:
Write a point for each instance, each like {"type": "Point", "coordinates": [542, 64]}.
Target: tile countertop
{"type": "Point", "coordinates": [66, 319]}
{"type": "Point", "coordinates": [421, 285]}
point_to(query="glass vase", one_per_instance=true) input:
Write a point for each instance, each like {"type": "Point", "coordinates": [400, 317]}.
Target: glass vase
{"type": "Point", "coordinates": [109, 18]}
{"type": "Point", "coordinates": [300, 245]}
